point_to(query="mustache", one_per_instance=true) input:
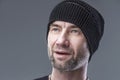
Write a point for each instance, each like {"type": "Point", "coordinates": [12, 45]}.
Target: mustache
{"type": "Point", "coordinates": [62, 48]}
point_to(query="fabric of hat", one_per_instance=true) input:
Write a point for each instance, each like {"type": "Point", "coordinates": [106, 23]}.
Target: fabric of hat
{"type": "Point", "coordinates": [83, 15]}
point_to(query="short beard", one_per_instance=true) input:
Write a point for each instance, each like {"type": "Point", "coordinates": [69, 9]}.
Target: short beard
{"type": "Point", "coordinates": [67, 65]}
{"type": "Point", "coordinates": [72, 64]}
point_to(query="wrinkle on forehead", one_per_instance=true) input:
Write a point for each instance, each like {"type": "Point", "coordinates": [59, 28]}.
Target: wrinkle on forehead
{"type": "Point", "coordinates": [64, 24]}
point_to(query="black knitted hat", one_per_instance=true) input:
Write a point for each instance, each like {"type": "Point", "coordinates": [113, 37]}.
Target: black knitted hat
{"type": "Point", "coordinates": [87, 18]}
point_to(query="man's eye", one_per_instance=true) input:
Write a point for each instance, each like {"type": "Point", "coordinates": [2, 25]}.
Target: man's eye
{"type": "Point", "coordinates": [75, 32]}
{"type": "Point", "coordinates": [54, 29]}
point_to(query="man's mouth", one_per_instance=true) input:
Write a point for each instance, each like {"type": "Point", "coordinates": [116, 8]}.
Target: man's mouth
{"type": "Point", "coordinates": [62, 55]}
{"type": "Point", "coordinates": [62, 52]}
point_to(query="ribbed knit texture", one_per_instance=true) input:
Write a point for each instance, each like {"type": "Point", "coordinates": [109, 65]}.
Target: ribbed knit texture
{"type": "Point", "coordinates": [82, 15]}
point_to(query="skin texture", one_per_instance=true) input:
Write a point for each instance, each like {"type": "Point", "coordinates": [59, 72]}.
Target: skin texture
{"type": "Point", "coordinates": [68, 51]}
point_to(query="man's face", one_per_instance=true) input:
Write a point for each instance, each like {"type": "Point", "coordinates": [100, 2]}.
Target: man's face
{"type": "Point", "coordinates": [67, 46]}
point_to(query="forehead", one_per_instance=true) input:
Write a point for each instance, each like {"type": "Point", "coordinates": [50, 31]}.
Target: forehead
{"type": "Point", "coordinates": [63, 24]}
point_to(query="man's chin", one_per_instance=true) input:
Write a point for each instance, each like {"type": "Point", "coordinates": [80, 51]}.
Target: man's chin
{"type": "Point", "coordinates": [62, 65]}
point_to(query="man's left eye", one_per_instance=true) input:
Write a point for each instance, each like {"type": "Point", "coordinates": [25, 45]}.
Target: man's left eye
{"type": "Point", "coordinates": [75, 32]}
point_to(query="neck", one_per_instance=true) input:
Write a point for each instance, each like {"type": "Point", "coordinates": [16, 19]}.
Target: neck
{"type": "Point", "coordinates": [78, 74]}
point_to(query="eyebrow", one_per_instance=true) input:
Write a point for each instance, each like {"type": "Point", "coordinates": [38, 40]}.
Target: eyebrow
{"type": "Point", "coordinates": [56, 25]}
{"type": "Point", "coordinates": [74, 26]}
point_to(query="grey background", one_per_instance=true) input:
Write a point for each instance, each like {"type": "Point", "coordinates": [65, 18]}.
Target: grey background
{"type": "Point", "coordinates": [23, 47]}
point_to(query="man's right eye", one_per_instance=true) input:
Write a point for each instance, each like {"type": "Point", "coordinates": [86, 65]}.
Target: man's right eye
{"type": "Point", "coordinates": [55, 29]}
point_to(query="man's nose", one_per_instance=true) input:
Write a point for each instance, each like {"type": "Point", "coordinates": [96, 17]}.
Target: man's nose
{"type": "Point", "coordinates": [63, 40]}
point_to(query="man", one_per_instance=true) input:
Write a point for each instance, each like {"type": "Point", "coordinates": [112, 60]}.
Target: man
{"type": "Point", "coordinates": [74, 32]}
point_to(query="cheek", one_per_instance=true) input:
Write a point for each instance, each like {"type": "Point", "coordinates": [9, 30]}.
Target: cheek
{"type": "Point", "coordinates": [51, 41]}
{"type": "Point", "coordinates": [79, 46]}
{"type": "Point", "coordinates": [76, 43]}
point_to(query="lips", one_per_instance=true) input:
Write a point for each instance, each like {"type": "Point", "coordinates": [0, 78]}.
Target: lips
{"type": "Point", "coordinates": [62, 52]}
{"type": "Point", "coordinates": [62, 55]}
